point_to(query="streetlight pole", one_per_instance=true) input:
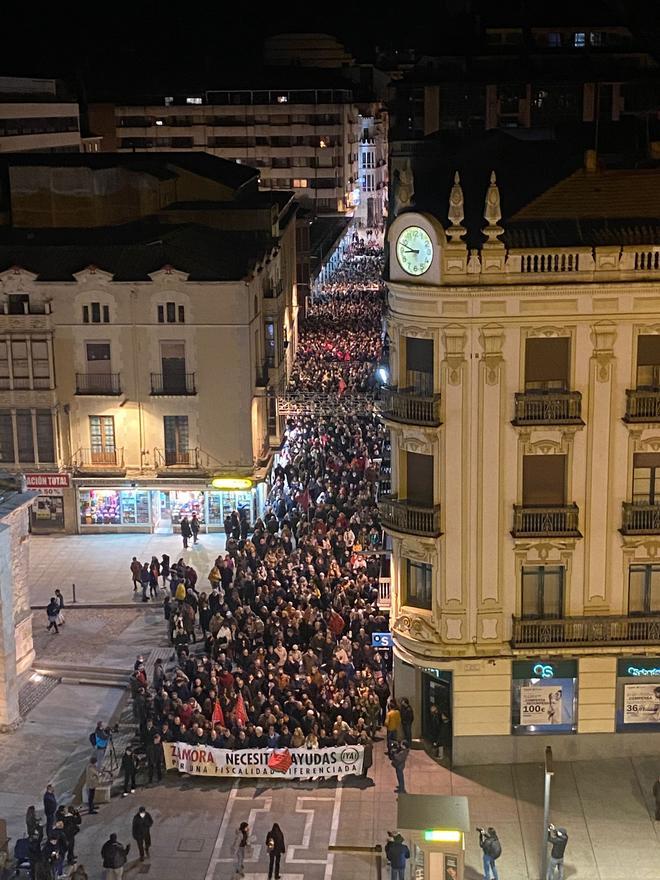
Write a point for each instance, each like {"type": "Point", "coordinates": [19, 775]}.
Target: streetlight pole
{"type": "Point", "coordinates": [549, 773]}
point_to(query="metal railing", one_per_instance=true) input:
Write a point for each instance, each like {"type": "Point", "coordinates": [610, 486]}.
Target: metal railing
{"type": "Point", "coordinates": [548, 408]}
{"type": "Point", "coordinates": [101, 458]}
{"type": "Point", "coordinates": [176, 384]}
{"type": "Point", "coordinates": [640, 519]}
{"type": "Point", "coordinates": [541, 521]}
{"type": "Point", "coordinates": [166, 458]}
{"type": "Point", "coordinates": [585, 631]}
{"type": "Point", "coordinates": [98, 383]}
{"type": "Point", "coordinates": [642, 405]}
{"type": "Point", "coordinates": [405, 516]}
{"type": "Point", "coordinates": [408, 406]}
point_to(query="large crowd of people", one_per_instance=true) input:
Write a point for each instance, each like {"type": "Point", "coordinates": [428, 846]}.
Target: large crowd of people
{"type": "Point", "coordinates": [288, 614]}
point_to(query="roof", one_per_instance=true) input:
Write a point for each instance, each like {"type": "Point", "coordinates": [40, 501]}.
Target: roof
{"type": "Point", "coordinates": [162, 165]}
{"type": "Point", "coordinates": [133, 251]}
{"type": "Point", "coordinates": [421, 812]}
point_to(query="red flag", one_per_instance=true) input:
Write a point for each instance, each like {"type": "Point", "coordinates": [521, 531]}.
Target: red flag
{"type": "Point", "coordinates": [239, 711]}
{"type": "Point", "coordinates": [218, 717]}
{"type": "Point", "coordinates": [280, 761]}
{"type": "Point", "coordinates": [342, 386]}
{"type": "Point", "coordinates": [303, 500]}
{"type": "Point", "coordinates": [336, 623]}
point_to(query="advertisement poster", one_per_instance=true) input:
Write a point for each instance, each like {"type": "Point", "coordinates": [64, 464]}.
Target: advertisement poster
{"type": "Point", "coordinates": [299, 763]}
{"type": "Point", "coordinates": [451, 867]}
{"type": "Point", "coordinates": [641, 704]}
{"type": "Point", "coordinates": [543, 704]}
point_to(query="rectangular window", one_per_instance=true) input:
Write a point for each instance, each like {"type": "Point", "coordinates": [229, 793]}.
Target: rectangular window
{"type": "Point", "coordinates": [544, 480]}
{"type": "Point", "coordinates": [547, 364]}
{"type": "Point", "coordinates": [648, 361]}
{"type": "Point", "coordinates": [173, 363]}
{"type": "Point", "coordinates": [176, 440]}
{"type": "Point", "coordinates": [18, 304]}
{"type": "Point", "coordinates": [40, 364]}
{"type": "Point", "coordinates": [45, 440]}
{"type": "Point", "coordinates": [182, 314]}
{"type": "Point", "coordinates": [85, 314]}
{"type": "Point", "coordinates": [646, 478]}
{"type": "Point", "coordinates": [419, 365]}
{"type": "Point", "coordinates": [106, 314]}
{"type": "Point", "coordinates": [542, 591]}
{"type": "Point", "coordinates": [4, 365]}
{"type": "Point", "coordinates": [161, 314]}
{"type": "Point", "coordinates": [19, 358]}
{"type": "Point", "coordinates": [171, 313]}
{"type": "Point", "coordinates": [419, 479]}
{"type": "Point", "coordinates": [419, 585]}
{"type": "Point", "coordinates": [271, 354]}
{"type": "Point", "coordinates": [24, 435]}
{"type": "Point", "coordinates": [102, 439]}
{"type": "Point", "coordinates": [96, 313]}
{"type": "Point", "coordinates": [644, 589]}
{"type": "Point", "coordinates": [300, 183]}
{"type": "Point", "coordinates": [6, 438]}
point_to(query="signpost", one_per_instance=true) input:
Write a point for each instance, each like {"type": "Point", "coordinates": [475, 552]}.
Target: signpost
{"type": "Point", "coordinates": [549, 773]}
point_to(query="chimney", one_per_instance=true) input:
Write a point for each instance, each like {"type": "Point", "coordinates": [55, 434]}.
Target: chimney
{"type": "Point", "coordinates": [590, 161]}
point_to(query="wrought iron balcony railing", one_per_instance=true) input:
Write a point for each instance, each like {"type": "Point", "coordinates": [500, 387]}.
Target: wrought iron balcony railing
{"type": "Point", "coordinates": [407, 406]}
{"type": "Point", "coordinates": [409, 517]}
{"type": "Point", "coordinates": [640, 519]}
{"type": "Point", "coordinates": [177, 384]}
{"type": "Point", "coordinates": [548, 408]}
{"type": "Point", "coordinates": [98, 383]}
{"type": "Point", "coordinates": [642, 405]}
{"type": "Point", "coordinates": [98, 458]}
{"type": "Point", "coordinates": [585, 631]}
{"type": "Point", "coordinates": [542, 522]}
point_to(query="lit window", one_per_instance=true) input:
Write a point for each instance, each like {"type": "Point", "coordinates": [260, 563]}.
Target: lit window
{"type": "Point", "coordinates": [193, 100]}
{"type": "Point", "coordinates": [282, 99]}
{"type": "Point", "coordinates": [300, 183]}
{"type": "Point", "coordinates": [322, 143]}
{"type": "Point", "coordinates": [579, 40]}
{"type": "Point", "coordinates": [169, 101]}
{"type": "Point", "coordinates": [159, 122]}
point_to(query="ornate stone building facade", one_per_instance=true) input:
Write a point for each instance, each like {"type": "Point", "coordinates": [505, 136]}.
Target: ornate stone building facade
{"type": "Point", "coordinates": [524, 412]}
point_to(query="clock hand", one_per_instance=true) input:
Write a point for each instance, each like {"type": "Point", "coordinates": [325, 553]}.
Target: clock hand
{"type": "Point", "coordinates": [410, 250]}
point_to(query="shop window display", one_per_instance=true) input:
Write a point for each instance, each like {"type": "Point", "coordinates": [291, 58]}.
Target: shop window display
{"type": "Point", "coordinates": [185, 504]}
{"type": "Point", "coordinates": [113, 507]}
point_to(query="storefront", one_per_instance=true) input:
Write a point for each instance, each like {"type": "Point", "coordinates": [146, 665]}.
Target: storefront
{"type": "Point", "coordinates": [544, 697]}
{"type": "Point", "coordinates": [47, 510]}
{"type": "Point", "coordinates": [638, 695]}
{"type": "Point", "coordinates": [160, 508]}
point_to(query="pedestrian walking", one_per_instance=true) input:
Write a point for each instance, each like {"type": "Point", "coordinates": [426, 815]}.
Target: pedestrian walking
{"type": "Point", "coordinates": [275, 847]}
{"type": "Point", "coordinates": [114, 856]}
{"type": "Point", "coordinates": [407, 718]}
{"type": "Point", "coordinates": [50, 807]}
{"type": "Point", "coordinates": [129, 768]}
{"type": "Point", "coordinates": [72, 822]}
{"type": "Point", "coordinates": [392, 724]}
{"type": "Point", "coordinates": [492, 850]}
{"type": "Point", "coordinates": [92, 781]}
{"type": "Point", "coordinates": [59, 598]}
{"type": "Point", "coordinates": [186, 532]}
{"type": "Point", "coordinates": [557, 838]}
{"type": "Point", "coordinates": [368, 754]}
{"type": "Point", "coordinates": [240, 847]}
{"type": "Point", "coordinates": [52, 613]}
{"type": "Point", "coordinates": [155, 758]}
{"type": "Point", "coordinates": [136, 569]}
{"type": "Point", "coordinates": [142, 823]}
{"type": "Point", "coordinates": [656, 795]}
{"type": "Point", "coordinates": [165, 568]}
{"type": "Point", "coordinates": [398, 757]}
{"type": "Point", "coordinates": [32, 823]}
{"type": "Point", "coordinates": [194, 527]}
{"type": "Point", "coordinates": [397, 854]}
{"type": "Point", "coordinates": [145, 575]}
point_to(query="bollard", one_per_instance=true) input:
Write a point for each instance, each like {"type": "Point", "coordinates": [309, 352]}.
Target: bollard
{"type": "Point", "coordinates": [73, 587]}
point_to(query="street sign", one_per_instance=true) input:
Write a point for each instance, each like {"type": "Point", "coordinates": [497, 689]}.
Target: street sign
{"type": "Point", "coordinates": [382, 640]}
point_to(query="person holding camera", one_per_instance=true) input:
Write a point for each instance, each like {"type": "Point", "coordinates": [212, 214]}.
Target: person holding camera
{"type": "Point", "coordinates": [492, 850]}
{"type": "Point", "coordinates": [114, 855]}
{"type": "Point", "coordinates": [397, 854]}
{"type": "Point", "coordinates": [557, 838]}
{"type": "Point", "coordinates": [275, 847]}
{"type": "Point", "coordinates": [99, 739]}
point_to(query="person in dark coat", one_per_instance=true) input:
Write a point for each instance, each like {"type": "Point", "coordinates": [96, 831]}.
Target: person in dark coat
{"type": "Point", "coordinates": [52, 613]}
{"type": "Point", "coordinates": [397, 854]}
{"type": "Point", "coordinates": [114, 856]}
{"type": "Point", "coordinates": [155, 758]}
{"type": "Point", "coordinates": [50, 807]}
{"type": "Point", "coordinates": [407, 718]}
{"type": "Point", "coordinates": [32, 823]}
{"type": "Point", "coordinates": [129, 768]}
{"type": "Point", "coordinates": [368, 758]}
{"type": "Point", "coordinates": [275, 847]}
{"type": "Point", "coordinates": [72, 821]}
{"type": "Point", "coordinates": [194, 527]}
{"type": "Point", "coordinates": [186, 532]}
{"type": "Point", "coordinates": [142, 823]}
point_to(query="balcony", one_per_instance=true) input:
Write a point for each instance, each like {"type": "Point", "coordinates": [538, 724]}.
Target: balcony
{"type": "Point", "coordinates": [182, 385]}
{"type": "Point", "coordinates": [261, 378]}
{"type": "Point", "coordinates": [98, 383]}
{"type": "Point", "coordinates": [99, 461]}
{"type": "Point", "coordinates": [642, 405]}
{"type": "Point", "coordinates": [408, 517]}
{"type": "Point", "coordinates": [585, 631]}
{"type": "Point", "coordinates": [175, 460]}
{"type": "Point", "coordinates": [545, 522]}
{"type": "Point", "coordinates": [548, 408]}
{"type": "Point", "coordinates": [640, 519]}
{"type": "Point", "coordinates": [407, 406]}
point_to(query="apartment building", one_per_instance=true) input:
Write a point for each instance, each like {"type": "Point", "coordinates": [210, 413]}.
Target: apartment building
{"type": "Point", "coordinates": [38, 116]}
{"type": "Point", "coordinates": [524, 412]}
{"type": "Point", "coordinates": [372, 209]}
{"type": "Point", "coordinates": [147, 304]}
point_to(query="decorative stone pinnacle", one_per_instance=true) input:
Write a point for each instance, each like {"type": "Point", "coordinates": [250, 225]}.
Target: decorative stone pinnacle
{"type": "Point", "coordinates": [492, 211]}
{"type": "Point", "coordinates": [456, 210]}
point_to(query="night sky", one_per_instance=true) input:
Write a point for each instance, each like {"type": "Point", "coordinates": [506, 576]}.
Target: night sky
{"type": "Point", "coordinates": [126, 41]}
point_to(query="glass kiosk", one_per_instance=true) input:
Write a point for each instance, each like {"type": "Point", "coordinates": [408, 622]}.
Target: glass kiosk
{"type": "Point", "coordinates": [434, 827]}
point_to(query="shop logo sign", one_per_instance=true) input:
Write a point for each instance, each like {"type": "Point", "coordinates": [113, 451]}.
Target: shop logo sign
{"type": "Point", "coordinates": [543, 671]}
{"type": "Point", "coordinates": [635, 670]}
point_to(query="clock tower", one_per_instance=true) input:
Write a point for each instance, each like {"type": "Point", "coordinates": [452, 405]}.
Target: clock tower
{"type": "Point", "coordinates": [415, 240]}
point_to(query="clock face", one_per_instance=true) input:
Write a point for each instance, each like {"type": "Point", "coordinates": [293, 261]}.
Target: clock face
{"type": "Point", "coordinates": [414, 250]}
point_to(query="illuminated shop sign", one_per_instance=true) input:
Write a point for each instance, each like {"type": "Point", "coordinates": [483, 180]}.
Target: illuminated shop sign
{"type": "Point", "coordinates": [232, 483]}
